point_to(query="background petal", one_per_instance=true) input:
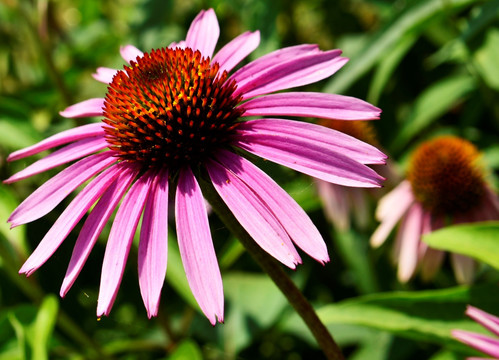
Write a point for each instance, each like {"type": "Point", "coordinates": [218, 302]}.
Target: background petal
{"type": "Point", "coordinates": [203, 33]}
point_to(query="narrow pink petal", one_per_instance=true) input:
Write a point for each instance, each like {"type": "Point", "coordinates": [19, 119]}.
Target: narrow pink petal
{"type": "Point", "coordinates": [320, 105]}
{"type": "Point", "coordinates": [180, 45]}
{"type": "Point", "coordinates": [104, 75]}
{"type": "Point", "coordinates": [130, 53]}
{"type": "Point", "coordinates": [153, 246]}
{"type": "Point", "coordinates": [313, 134]}
{"type": "Point", "coordinates": [67, 154]}
{"type": "Point", "coordinates": [87, 108]}
{"type": "Point", "coordinates": [432, 259]}
{"type": "Point", "coordinates": [489, 321]}
{"type": "Point", "coordinates": [120, 241]}
{"type": "Point", "coordinates": [196, 247]}
{"type": "Point", "coordinates": [464, 268]}
{"type": "Point", "coordinates": [402, 198]}
{"type": "Point", "coordinates": [64, 137]}
{"type": "Point", "coordinates": [358, 201]}
{"type": "Point", "coordinates": [260, 223]}
{"type": "Point", "coordinates": [274, 58]}
{"type": "Point", "coordinates": [291, 216]}
{"type": "Point", "coordinates": [299, 71]}
{"type": "Point", "coordinates": [236, 50]}
{"type": "Point", "coordinates": [68, 219]}
{"type": "Point", "coordinates": [53, 191]}
{"type": "Point", "coordinates": [410, 236]}
{"type": "Point", "coordinates": [312, 157]}
{"type": "Point", "coordinates": [335, 202]}
{"type": "Point", "coordinates": [480, 342]}
{"type": "Point", "coordinates": [203, 33]}
{"type": "Point", "coordinates": [95, 222]}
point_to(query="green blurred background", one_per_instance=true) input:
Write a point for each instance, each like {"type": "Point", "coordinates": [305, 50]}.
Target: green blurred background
{"type": "Point", "coordinates": [431, 65]}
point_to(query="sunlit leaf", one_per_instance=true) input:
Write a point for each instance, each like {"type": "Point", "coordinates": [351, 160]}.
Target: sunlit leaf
{"type": "Point", "coordinates": [478, 240]}
{"type": "Point", "coordinates": [43, 327]}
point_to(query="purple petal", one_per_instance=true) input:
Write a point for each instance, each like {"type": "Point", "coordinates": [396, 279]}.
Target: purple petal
{"type": "Point", "coordinates": [256, 218]}
{"type": "Point", "coordinates": [104, 75]}
{"type": "Point", "coordinates": [410, 236]}
{"type": "Point", "coordinates": [298, 71]}
{"type": "Point", "coordinates": [120, 241]}
{"type": "Point", "coordinates": [315, 135]}
{"type": "Point", "coordinates": [203, 33]}
{"type": "Point", "coordinates": [68, 153]}
{"type": "Point", "coordinates": [489, 321]}
{"type": "Point", "coordinates": [480, 342]}
{"type": "Point", "coordinates": [335, 202]}
{"type": "Point", "coordinates": [68, 219]}
{"type": "Point", "coordinates": [130, 53]}
{"type": "Point", "coordinates": [94, 224]}
{"type": "Point", "coordinates": [153, 246]}
{"type": "Point", "coordinates": [87, 108]}
{"type": "Point", "coordinates": [390, 210]}
{"type": "Point", "coordinates": [291, 216]}
{"type": "Point", "coordinates": [274, 58]}
{"type": "Point", "coordinates": [52, 192]}
{"type": "Point", "coordinates": [236, 50]}
{"type": "Point", "coordinates": [464, 268]}
{"type": "Point", "coordinates": [327, 106]}
{"type": "Point", "coordinates": [196, 247]}
{"type": "Point", "coordinates": [309, 156]}
{"type": "Point", "coordinates": [64, 137]}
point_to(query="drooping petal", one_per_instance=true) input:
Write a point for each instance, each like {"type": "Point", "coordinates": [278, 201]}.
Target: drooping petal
{"type": "Point", "coordinates": [315, 135]}
{"type": "Point", "coordinates": [87, 108]}
{"type": "Point", "coordinates": [326, 106]}
{"type": "Point", "coordinates": [485, 319]}
{"type": "Point", "coordinates": [432, 258]}
{"type": "Point", "coordinates": [104, 75]}
{"type": "Point", "coordinates": [67, 154]}
{"type": "Point", "coordinates": [480, 342]}
{"type": "Point", "coordinates": [68, 219]}
{"type": "Point", "coordinates": [203, 33]}
{"type": "Point", "coordinates": [153, 246]}
{"type": "Point", "coordinates": [464, 268]}
{"type": "Point", "coordinates": [64, 137]}
{"type": "Point", "coordinates": [236, 50]}
{"type": "Point", "coordinates": [299, 71]}
{"type": "Point", "coordinates": [130, 53]}
{"type": "Point", "coordinates": [196, 247]}
{"type": "Point", "coordinates": [271, 59]}
{"type": "Point", "coordinates": [53, 191]}
{"type": "Point", "coordinates": [120, 241]}
{"type": "Point", "coordinates": [401, 198]}
{"type": "Point", "coordinates": [309, 156]}
{"type": "Point", "coordinates": [291, 216]}
{"type": "Point", "coordinates": [94, 224]}
{"type": "Point", "coordinates": [410, 235]}
{"type": "Point", "coordinates": [256, 218]}
{"type": "Point", "coordinates": [335, 202]}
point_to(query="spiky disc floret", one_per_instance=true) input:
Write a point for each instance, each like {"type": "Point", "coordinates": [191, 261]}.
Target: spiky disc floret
{"type": "Point", "coordinates": [170, 107]}
{"type": "Point", "coordinates": [446, 176]}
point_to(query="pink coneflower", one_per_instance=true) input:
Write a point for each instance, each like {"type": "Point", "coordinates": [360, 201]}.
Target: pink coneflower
{"type": "Point", "coordinates": [172, 116]}
{"type": "Point", "coordinates": [343, 203]}
{"type": "Point", "coordinates": [483, 343]}
{"type": "Point", "coordinates": [445, 184]}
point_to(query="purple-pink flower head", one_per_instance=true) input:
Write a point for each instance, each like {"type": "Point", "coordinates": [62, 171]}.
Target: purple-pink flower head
{"type": "Point", "coordinates": [445, 183]}
{"type": "Point", "coordinates": [486, 344]}
{"type": "Point", "coordinates": [176, 114]}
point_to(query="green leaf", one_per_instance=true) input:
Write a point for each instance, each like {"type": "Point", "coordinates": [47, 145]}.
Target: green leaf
{"type": "Point", "coordinates": [486, 59]}
{"type": "Point", "coordinates": [478, 240]}
{"type": "Point", "coordinates": [187, 350]}
{"type": "Point", "coordinates": [422, 316]}
{"type": "Point", "coordinates": [16, 134]}
{"type": "Point", "coordinates": [414, 21]}
{"type": "Point", "coordinates": [431, 104]}
{"type": "Point", "coordinates": [43, 327]}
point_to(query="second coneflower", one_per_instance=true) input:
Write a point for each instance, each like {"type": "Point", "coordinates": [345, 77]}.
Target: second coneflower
{"type": "Point", "coordinates": [175, 115]}
{"type": "Point", "coordinates": [445, 185]}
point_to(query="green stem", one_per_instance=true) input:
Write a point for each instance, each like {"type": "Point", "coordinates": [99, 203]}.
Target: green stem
{"type": "Point", "coordinates": [276, 273]}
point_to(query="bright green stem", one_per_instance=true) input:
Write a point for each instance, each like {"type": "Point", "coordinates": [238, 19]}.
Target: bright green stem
{"type": "Point", "coordinates": [276, 273]}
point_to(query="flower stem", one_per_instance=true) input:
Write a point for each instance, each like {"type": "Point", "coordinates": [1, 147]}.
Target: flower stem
{"type": "Point", "coordinates": [276, 273]}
